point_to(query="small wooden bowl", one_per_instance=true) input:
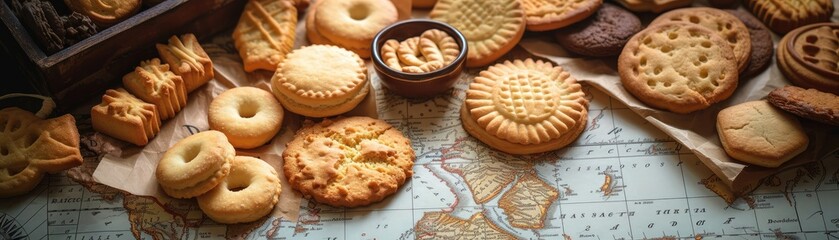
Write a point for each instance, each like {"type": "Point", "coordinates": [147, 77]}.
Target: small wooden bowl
{"type": "Point", "coordinates": [418, 85]}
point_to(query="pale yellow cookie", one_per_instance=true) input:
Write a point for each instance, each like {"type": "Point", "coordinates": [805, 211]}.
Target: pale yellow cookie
{"type": "Point", "coordinates": [348, 162]}
{"type": "Point", "coordinates": [679, 67]}
{"type": "Point", "coordinates": [187, 59]}
{"type": "Point", "coordinates": [125, 117]}
{"type": "Point", "coordinates": [265, 33]}
{"type": "Point", "coordinates": [320, 81]}
{"type": "Point", "coordinates": [524, 107]}
{"type": "Point", "coordinates": [729, 27]}
{"type": "Point", "coordinates": [491, 27]}
{"type": "Point", "coordinates": [354, 23]}
{"type": "Point", "coordinates": [434, 40]}
{"type": "Point", "coordinates": [758, 133]}
{"type": "Point", "coordinates": [195, 164]}
{"type": "Point", "coordinates": [154, 83]}
{"type": "Point", "coordinates": [314, 36]}
{"type": "Point", "coordinates": [546, 15]}
{"type": "Point", "coordinates": [248, 193]}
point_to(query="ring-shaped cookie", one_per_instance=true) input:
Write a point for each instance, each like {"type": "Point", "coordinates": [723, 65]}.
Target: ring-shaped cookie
{"type": "Point", "coordinates": [248, 193]}
{"type": "Point", "coordinates": [195, 164]}
{"type": "Point", "coordinates": [248, 116]}
{"type": "Point", "coordinates": [354, 23]}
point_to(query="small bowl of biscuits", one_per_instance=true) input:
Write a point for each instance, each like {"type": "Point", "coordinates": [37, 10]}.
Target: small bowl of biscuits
{"type": "Point", "coordinates": [419, 58]}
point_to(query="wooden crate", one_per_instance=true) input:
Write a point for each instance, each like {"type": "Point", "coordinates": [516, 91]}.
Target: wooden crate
{"type": "Point", "coordinates": [83, 71]}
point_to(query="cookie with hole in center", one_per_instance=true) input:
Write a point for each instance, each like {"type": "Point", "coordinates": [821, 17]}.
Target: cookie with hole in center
{"type": "Point", "coordinates": [348, 162]}
{"type": "Point", "coordinates": [678, 67]}
{"type": "Point", "coordinates": [729, 27]}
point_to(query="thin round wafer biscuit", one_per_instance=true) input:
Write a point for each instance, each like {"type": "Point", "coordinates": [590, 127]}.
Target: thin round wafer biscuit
{"type": "Point", "coordinates": [783, 16]}
{"type": "Point", "coordinates": [348, 162]}
{"type": "Point", "coordinates": [729, 27]}
{"type": "Point", "coordinates": [545, 15]}
{"type": "Point", "coordinates": [524, 107]}
{"type": "Point", "coordinates": [491, 27]}
{"type": "Point", "coordinates": [809, 56]}
{"type": "Point", "coordinates": [679, 67]}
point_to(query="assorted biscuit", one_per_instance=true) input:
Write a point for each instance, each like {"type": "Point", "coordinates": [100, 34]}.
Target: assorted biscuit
{"type": "Point", "coordinates": [546, 15]}
{"type": "Point", "coordinates": [154, 83]}
{"type": "Point", "coordinates": [432, 50]}
{"type": "Point", "coordinates": [186, 58]}
{"type": "Point", "coordinates": [350, 24]}
{"type": "Point", "coordinates": [758, 133]}
{"type": "Point", "coordinates": [807, 103]}
{"type": "Point", "coordinates": [807, 56]}
{"type": "Point", "coordinates": [783, 16]}
{"type": "Point", "coordinates": [248, 116]}
{"type": "Point", "coordinates": [125, 117]}
{"type": "Point", "coordinates": [600, 35]}
{"type": "Point", "coordinates": [491, 28]}
{"type": "Point", "coordinates": [30, 147]}
{"type": "Point", "coordinates": [265, 33]}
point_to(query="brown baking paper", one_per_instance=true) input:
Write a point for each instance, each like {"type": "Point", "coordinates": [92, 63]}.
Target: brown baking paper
{"type": "Point", "coordinates": [132, 169]}
{"type": "Point", "coordinates": [697, 130]}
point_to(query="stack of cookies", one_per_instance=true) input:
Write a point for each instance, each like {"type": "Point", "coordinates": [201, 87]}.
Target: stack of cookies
{"type": "Point", "coordinates": [155, 91]}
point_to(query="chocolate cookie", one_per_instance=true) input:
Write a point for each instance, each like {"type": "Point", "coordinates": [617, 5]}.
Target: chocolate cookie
{"type": "Point", "coordinates": [810, 104]}
{"type": "Point", "coordinates": [761, 38]}
{"type": "Point", "coordinates": [77, 27]}
{"type": "Point", "coordinates": [44, 24]}
{"type": "Point", "coordinates": [602, 34]}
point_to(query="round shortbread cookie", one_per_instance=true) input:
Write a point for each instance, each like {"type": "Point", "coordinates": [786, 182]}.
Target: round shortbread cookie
{"type": "Point", "coordinates": [491, 27]}
{"type": "Point", "coordinates": [195, 164]}
{"type": "Point", "coordinates": [679, 67]}
{"type": "Point", "coordinates": [524, 107]}
{"type": "Point", "coordinates": [546, 15]}
{"type": "Point", "coordinates": [809, 58]}
{"type": "Point", "coordinates": [348, 162]}
{"type": "Point", "coordinates": [353, 23]}
{"type": "Point", "coordinates": [307, 85]}
{"type": "Point", "coordinates": [758, 133]}
{"type": "Point", "coordinates": [247, 194]}
{"type": "Point", "coordinates": [729, 27]}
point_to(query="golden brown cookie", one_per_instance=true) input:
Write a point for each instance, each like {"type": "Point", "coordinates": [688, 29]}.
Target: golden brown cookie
{"type": "Point", "coordinates": [353, 23]}
{"type": "Point", "coordinates": [546, 15]}
{"type": "Point", "coordinates": [348, 162]}
{"type": "Point", "coordinates": [679, 67]}
{"type": "Point", "coordinates": [265, 33]}
{"type": "Point", "coordinates": [248, 116]}
{"type": "Point", "coordinates": [729, 27]}
{"type": "Point", "coordinates": [125, 117]}
{"type": "Point", "coordinates": [105, 12]}
{"type": "Point", "coordinates": [187, 59]}
{"type": "Point", "coordinates": [810, 103]}
{"type": "Point", "coordinates": [430, 51]}
{"type": "Point", "coordinates": [307, 85]}
{"type": "Point", "coordinates": [491, 27]}
{"type": "Point", "coordinates": [758, 133]}
{"type": "Point", "coordinates": [154, 83]}
{"type": "Point", "coordinates": [809, 56]}
{"type": "Point", "coordinates": [31, 147]}
{"type": "Point", "coordinates": [314, 36]}
{"type": "Point", "coordinates": [195, 164]}
{"type": "Point", "coordinates": [783, 16]}
{"type": "Point", "coordinates": [524, 107]}
{"type": "Point", "coordinates": [247, 194]}
{"type": "Point", "coordinates": [655, 6]}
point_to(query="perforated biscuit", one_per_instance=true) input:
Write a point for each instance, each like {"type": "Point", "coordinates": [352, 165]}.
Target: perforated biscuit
{"type": "Point", "coordinates": [783, 16]}
{"type": "Point", "coordinates": [545, 15]}
{"type": "Point", "coordinates": [31, 147]}
{"type": "Point", "coordinates": [348, 162]}
{"type": "Point", "coordinates": [729, 27]}
{"type": "Point", "coordinates": [306, 84]}
{"type": "Point", "coordinates": [525, 106]}
{"type": "Point", "coordinates": [491, 27]}
{"type": "Point", "coordinates": [265, 33]}
{"type": "Point", "coordinates": [678, 67]}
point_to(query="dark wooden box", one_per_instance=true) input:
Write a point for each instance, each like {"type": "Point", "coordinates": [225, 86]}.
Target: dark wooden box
{"type": "Point", "coordinates": [83, 71]}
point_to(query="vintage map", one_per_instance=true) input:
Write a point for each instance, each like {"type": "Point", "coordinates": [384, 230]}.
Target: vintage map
{"type": "Point", "coordinates": [622, 179]}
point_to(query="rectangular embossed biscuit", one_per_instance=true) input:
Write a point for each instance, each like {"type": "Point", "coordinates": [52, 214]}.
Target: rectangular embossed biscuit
{"type": "Point", "coordinates": [154, 83]}
{"type": "Point", "coordinates": [123, 116]}
{"type": "Point", "coordinates": [187, 59]}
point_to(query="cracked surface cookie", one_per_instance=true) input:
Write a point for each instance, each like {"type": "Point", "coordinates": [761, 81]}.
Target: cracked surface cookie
{"type": "Point", "coordinates": [678, 67]}
{"type": "Point", "coordinates": [348, 162]}
{"type": "Point", "coordinates": [758, 133]}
